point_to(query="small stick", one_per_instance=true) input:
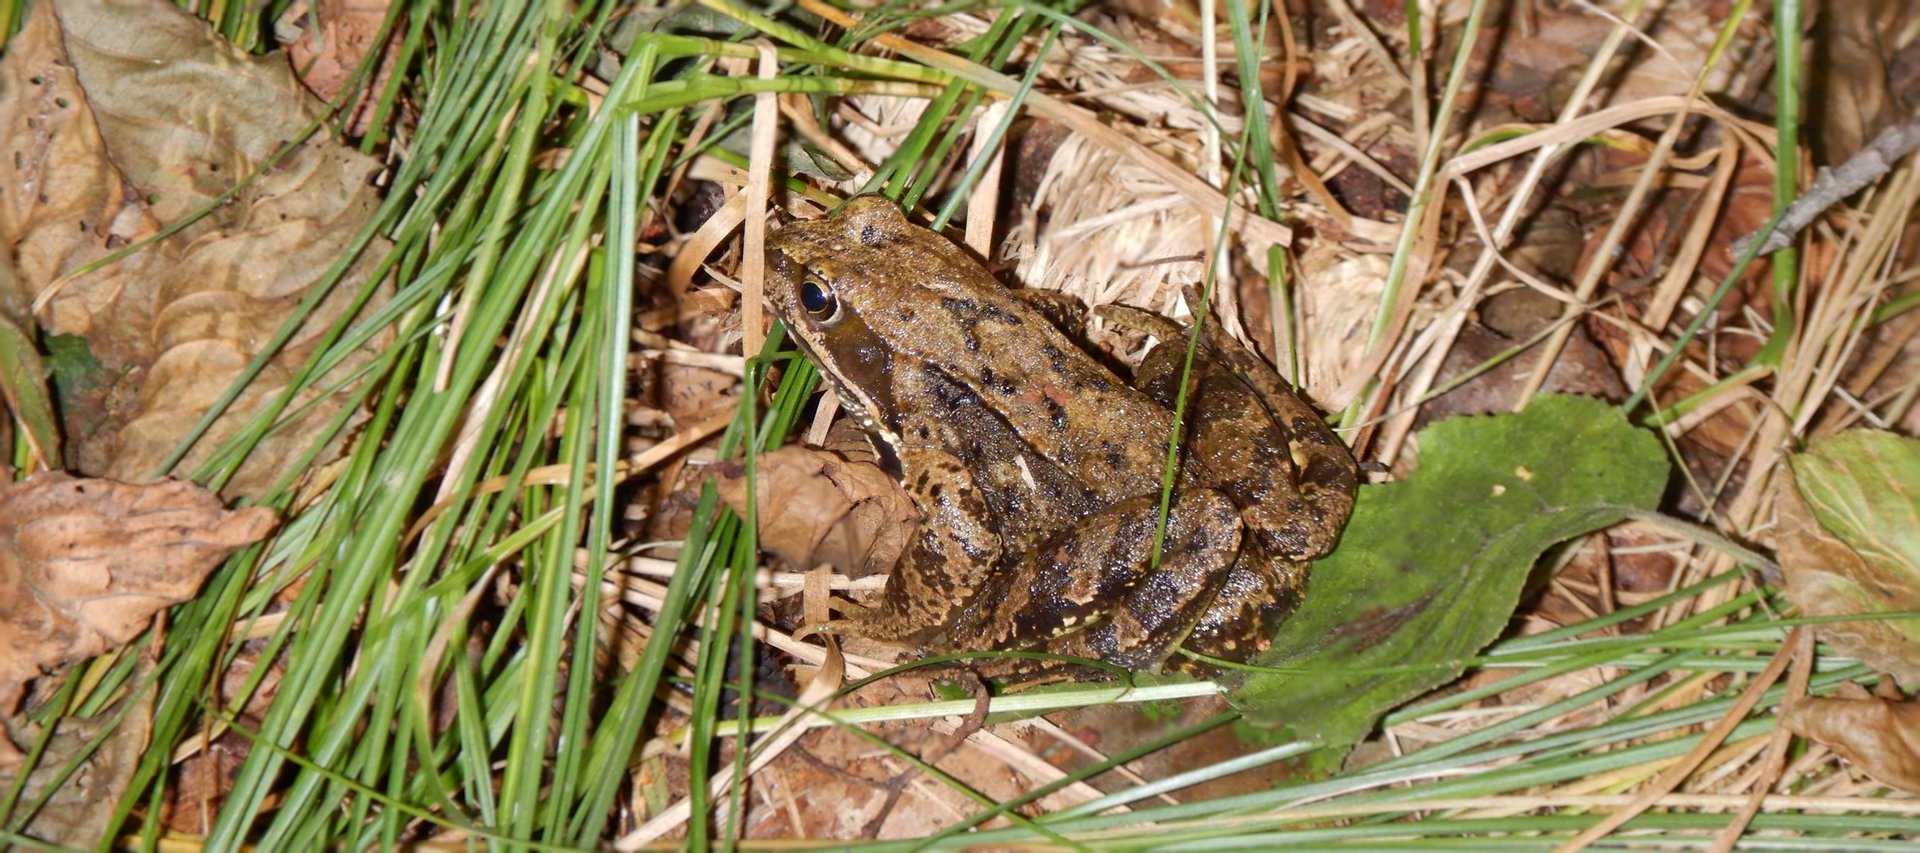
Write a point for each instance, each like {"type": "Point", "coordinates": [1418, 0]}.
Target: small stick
{"type": "Point", "coordinates": [1831, 186]}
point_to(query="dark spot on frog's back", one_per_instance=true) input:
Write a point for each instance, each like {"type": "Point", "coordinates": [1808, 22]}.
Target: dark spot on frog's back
{"type": "Point", "coordinates": [972, 549]}
{"type": "Point", "coordinates": [871, 236]}
{"type": "Point", "coordinates": [1056, 358]}
{"type": "Point", "coordinates": [1056, 414]}
{"type": "Point", "coordinates": [949, 394]}
{"type": "Point", "coordinates": [1272, 454]}
{"type": "Point", "coordinates": [1328, 472]}
{"type": "Point", "coordinates": [1310, 429]}
{"type": "Point", "coordinates": [988, 377]}
{"type": "Point", "coordinates": [972, 310]}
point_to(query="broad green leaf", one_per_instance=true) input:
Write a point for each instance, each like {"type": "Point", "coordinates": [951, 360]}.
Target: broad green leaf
{"type": "Point", "coordinates": [1849, 540]}
{"type": "Point", "coordinates": [1429, 569]}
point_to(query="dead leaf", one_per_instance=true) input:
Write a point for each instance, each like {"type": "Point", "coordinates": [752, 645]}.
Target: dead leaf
{"type": "Point", "coordinates": [85, 564]}
{"type": "Point", "coordinates": [1847, 512]}
{"type": "Point", "coordinates": [816, 507]}
{"type": "Point", "coordinates": [326, 56]}
{"type": "Point", "coordinates": [119, 118]}
{"type": "Point", "coordinates": [80, 804]}
{"type": "Point", "coordinates": [1881, 738]}
{"type": "Point", "coordinates": [692, 394]}
{"type": "Point", "coordinates": [1854, 50]}
{"type": "Point", "coordinates": [203, 778]}
{"type": "Point", "coordinates": [1506, 320]}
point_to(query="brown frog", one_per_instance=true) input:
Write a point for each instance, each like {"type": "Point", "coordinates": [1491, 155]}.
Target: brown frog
{"type": "Point", "coordinates": [1037, 471]}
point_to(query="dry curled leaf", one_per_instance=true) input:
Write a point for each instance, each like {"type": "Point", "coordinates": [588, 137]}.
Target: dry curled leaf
{"type": "Point", "coordinates": [1846, 540]}
{"type": "Point", "coordinates": [85, 564]}
{"type": "Point", "coordinates": [121, 118]}
{"type": "Point", "coordinates": [816, 507]}
{"type": "Point", "coordinates": [1881, 738]}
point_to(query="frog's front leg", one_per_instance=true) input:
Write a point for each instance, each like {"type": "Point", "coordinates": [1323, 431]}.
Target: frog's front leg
{"type": "Point", "coordinates": [947, 563]}
{"type": "Point", "coordinates": [1093, 591]}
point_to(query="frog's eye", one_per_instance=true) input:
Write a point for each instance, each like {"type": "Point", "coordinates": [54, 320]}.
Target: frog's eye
{"type": "Point", "coordinates": [819, 299]}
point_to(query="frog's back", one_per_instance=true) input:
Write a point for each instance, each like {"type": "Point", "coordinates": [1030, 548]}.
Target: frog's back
{"type": "Point", "coordinates": [933, 308]}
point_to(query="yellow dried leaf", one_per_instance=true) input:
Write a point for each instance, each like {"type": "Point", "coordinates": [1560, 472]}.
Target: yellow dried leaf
{"type": "Point", "coordinates": [1849, 543]}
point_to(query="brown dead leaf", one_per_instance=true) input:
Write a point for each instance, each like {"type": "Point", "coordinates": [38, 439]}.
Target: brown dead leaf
{"type": "Point", "coordinates": [1855, 91]}
{"type": "Point", "coordinates": [1881, 738]}
{"type": "Point", "coordinates": [85, 564]}
{"type": "Point", "coordinates": [79, 806]}
{"type": "Point", "coordinates": [692, 394]}
{"type": "Point", "coordinates": [834, 785]}
{"type": "Point", "coordinates": [1548, 247]}
{"type": "Point", "coordinates": [816, 507]}
{"type": "Point", "coordinates": [326, 55]}
{"type": "Point", "coordinates": [1506, 320]}
{"type": "Point", "coordinates": [120, 118]}
{"type": "Point", "coordinates": [205, 776]}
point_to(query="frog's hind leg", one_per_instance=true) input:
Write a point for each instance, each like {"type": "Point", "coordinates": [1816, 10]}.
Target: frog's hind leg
{"type": "Point", "coordinates": [1161, 610]}
{"type": "Point", "coordinates": [1300, 516]}
{"type": "Point", "coordinates": [1094, 592]}
{"type": "Point", "coordinates": [1259, 593]}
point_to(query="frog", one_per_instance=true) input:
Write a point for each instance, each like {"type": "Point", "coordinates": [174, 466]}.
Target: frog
{"type": "Point", "coordinates": [1039, 471]}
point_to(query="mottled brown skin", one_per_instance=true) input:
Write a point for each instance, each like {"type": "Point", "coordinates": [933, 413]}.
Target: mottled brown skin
{"type": "Point", "coordinates": [1037, 471]}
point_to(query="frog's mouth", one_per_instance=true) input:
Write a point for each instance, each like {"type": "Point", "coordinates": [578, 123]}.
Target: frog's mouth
{"type": "Point", "coordinates": [857, 406]}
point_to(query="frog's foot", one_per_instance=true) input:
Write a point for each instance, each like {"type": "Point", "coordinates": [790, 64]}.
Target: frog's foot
{"type": "Point", "coordinates": [1131, 319]}
{"type": "Point", "coordinates": [864, 622]}
{"type": "Point", "coordinates": [1064, 310]}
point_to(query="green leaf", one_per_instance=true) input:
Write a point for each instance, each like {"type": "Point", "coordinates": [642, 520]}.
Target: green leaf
{"type": "Point", "coordinates": [79, 381]}
{"type": "Point", "coordinates": [1429, 569]}
{"type": "Point", "coordinates": [1849, 540]}
{"type": "Point", "coordinates": [23, 388]}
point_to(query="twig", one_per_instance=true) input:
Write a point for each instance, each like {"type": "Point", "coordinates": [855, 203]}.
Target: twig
{"type": "Point", "coordinates": [1831, 186]}
{"type": "Point", "coordinates": [1776, 761]}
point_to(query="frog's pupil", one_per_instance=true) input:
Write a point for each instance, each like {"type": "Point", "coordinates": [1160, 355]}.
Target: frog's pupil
{"type": "Point", "coordinates": [815, 298]}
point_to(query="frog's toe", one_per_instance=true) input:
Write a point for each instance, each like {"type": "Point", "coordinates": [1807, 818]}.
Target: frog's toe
{"type": "Point", "coordinates": [848, 620]}
{"type": "Point", "coordinates": [841, 627]}
{"type": "Point", "coordinates": [1130, 319]}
